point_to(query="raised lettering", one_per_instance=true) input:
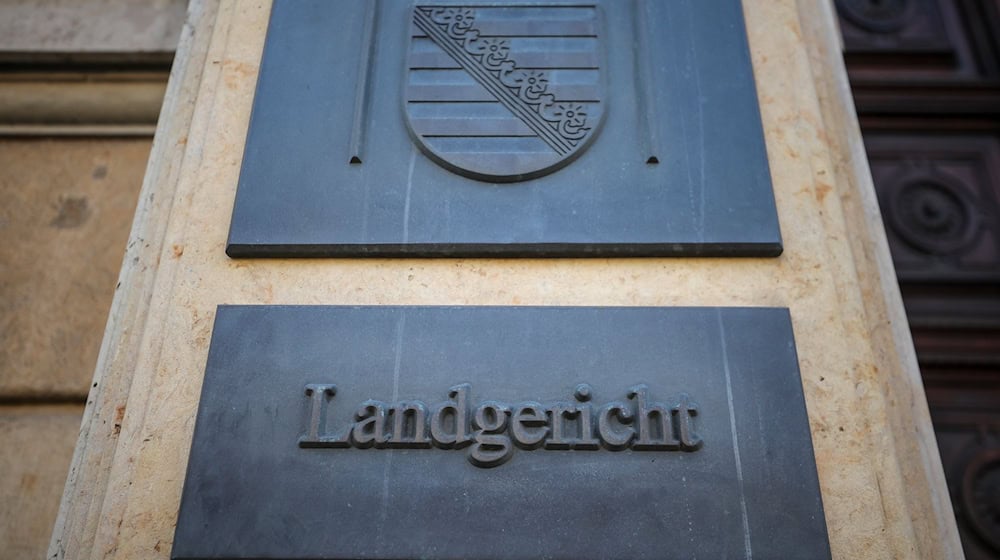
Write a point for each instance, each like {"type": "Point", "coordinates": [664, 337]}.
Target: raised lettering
{"type": "Point", "coordinates": [493, 429]}
{"type": "Point", "coordinates": [684, 411]}
{"type": "Point", "coordinates": [609, 414]}
{"type": "Point", "coordinates": [369, 428]}
{"type": "Point", "coordinates": [656, 430]}
{"type": "Point", "coordinates": [557, 413]}
{"type": "Point", "coordinates": [409, 425]}
{"type": "Point", "coordinates": [529, 425]}
{"type": "Point", "coordinates": [491, 447]}
{"type": "Point", "coordinates": [458, 410]}
{"type": "Point", "coordinates": [586, 440]}
{"type": "Point", "coordinates": [320, 396]}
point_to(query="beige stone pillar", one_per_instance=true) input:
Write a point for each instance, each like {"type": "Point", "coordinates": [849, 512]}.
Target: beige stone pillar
{"type": "Point", "coordinates": [883, 488]}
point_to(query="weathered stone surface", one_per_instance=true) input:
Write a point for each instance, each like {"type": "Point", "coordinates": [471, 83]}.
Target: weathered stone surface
{"type": "Point", "coordinates": [36, 444]}
{"type": "Point", "coordinates": [78, 28]}
{"type": "Point", "coordinates": [65, 211]}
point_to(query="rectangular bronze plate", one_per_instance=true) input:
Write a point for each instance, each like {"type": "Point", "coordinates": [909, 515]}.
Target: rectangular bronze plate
{"type": "Point", "coordinates": [517, 129]}
{"type": "Point", "coordinates": [501, 432]}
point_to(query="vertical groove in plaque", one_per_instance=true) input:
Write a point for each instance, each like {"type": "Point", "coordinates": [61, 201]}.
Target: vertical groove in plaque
{"type": "Point", "coordinates": [644, 82]}
{"type": "Point", "coordinates": [361, 92]}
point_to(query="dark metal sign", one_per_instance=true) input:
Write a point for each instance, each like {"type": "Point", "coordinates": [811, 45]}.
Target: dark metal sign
{"type": "Point", "coordinates": [559, 128]}
{"type": "Point", "coordinates": [493, 429]}
{"type": "Point", "coordinates": [494, 93]}
{"type": "Point", "coordinates": [510, 432]}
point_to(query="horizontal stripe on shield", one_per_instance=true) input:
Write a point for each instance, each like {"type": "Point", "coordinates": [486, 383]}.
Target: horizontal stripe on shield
{"type": "Point", "coordinates": [554, 11]}
{"type": "Point", "coordinates": [564, 94]}
{"type": "Point", "coordinates": [530, 53]}
{"type": "Point", "coordinates": [565, 12]}
{"type": "Point", "coordinates": [460, 77]}
{"type": "Point", "coordinates": [480, 145]}
{"type": "Point", "coordinates": [507, 126]}
{"type": "Point", "coordinates": [533, 28]}
{"type": "Point", "coordinates": [481, 110]}
{"type": "Point", "coordinates": [527, 60]}
{"type": "Point", "coordinates": [519, 46]}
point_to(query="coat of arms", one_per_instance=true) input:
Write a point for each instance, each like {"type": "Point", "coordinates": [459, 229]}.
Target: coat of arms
{"type": "Point", "coordinates": [504, 93]}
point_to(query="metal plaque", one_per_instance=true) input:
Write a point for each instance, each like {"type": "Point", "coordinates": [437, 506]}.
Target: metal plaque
{"type": "Point", "coordinates": [501, 432]}
{"type": "Point", "coordinates": [505, 128]}
{"type": "Point", "coordinates": [477, 110]}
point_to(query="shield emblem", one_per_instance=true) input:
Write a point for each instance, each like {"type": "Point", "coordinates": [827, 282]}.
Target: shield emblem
{"type": "Point", "coordinates": [505, 93]}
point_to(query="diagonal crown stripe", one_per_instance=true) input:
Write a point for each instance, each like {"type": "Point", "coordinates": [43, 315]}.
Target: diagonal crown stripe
{"type": "Point", "coordinates": [492, 84]}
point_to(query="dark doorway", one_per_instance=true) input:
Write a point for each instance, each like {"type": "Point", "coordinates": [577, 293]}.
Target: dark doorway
{"type": "Point", "coordinates": [926, 81]}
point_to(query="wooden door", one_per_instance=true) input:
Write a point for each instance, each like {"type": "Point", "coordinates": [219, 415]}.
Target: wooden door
{"type": "Point", "coordinates": [926, 81]}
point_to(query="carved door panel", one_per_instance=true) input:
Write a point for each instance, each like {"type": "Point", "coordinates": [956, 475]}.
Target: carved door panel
{"type": "Point", "coordinates": [926, 80]}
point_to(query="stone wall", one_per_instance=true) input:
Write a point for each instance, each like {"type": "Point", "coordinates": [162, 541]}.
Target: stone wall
{"type": "Point", "coordinates": [81, 84]}
{"type": "Point", "coordinates": [65, 210]}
